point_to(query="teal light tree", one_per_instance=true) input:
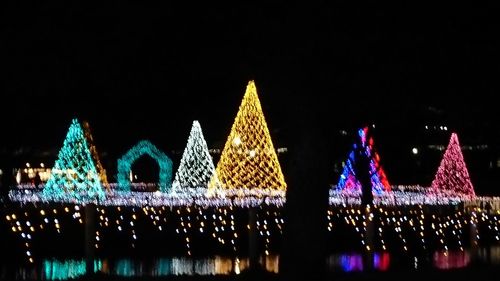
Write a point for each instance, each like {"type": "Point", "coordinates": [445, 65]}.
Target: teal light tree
{"type": "Point", "coordinates": [74, 175]}
{"type": "Point", "coordinates": [196, 168]}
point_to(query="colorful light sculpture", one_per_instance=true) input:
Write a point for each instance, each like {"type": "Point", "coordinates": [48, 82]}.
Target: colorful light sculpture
{"type": "Point", "coordinates": [349, 182]}
{"type": "Point", "coordinates": [196, 168]}
{"type": "Point", "coordinates": [249, 160]}
{"type": "Point", "coordinates": [452, 177]}
{"type": "Point", "coordinates": [144, 148]}
{"type": "Point", "coordinates": [74, 174]}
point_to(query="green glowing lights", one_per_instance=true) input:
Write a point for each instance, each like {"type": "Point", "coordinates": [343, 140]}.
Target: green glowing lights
{"type": "Point", "coordinates": [74, 174]}
{"type": "Point", "coordinates": [142, 148]}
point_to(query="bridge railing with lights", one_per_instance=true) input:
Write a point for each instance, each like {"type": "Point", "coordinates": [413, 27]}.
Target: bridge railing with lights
{"type": "Point", "coordinates": [401, 195]}
{"type": "Point", "coordinates": [141, 195]}
{"type": "Point", "coordinates": [238, 197]}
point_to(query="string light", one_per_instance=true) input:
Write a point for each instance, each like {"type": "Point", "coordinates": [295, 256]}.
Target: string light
{"type": "Point", "coordinates": [249, 159]}
{"type": "Point", "coordinates": [131, 224]}
{"type": "Point", "coordinates": [192, 197]}
{"type": "Point", "coordinates": [144, 147]}
{"type": "Point", "coordinates": [185, 224]}
{"type": "Point", "coordinates": [233, 229]}
{"type": "Point", "coordinates": [407, 225]}
{"type": "Point", "coordinates": [402, 196]}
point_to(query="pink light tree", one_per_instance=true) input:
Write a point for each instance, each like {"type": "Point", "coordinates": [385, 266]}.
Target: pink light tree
{"type": "Point", "coordinates": [452, 177]}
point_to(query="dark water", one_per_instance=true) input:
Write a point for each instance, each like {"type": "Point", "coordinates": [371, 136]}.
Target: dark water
{"type": "Point", "coordinates": [444, 260]}
{"type": "Point", "coordinates": [54, 269]}
{"type": "Point", "coordinates": [57, 269]}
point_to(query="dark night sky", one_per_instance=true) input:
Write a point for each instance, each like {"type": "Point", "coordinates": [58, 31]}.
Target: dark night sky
{"type": "Point", "coordinates": [146, 70]}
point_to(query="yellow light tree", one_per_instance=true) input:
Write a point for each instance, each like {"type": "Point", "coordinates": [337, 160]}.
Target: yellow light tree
{"type": "Point", "coordinates": [249, 159]}
{"type": "Point", "coordinates": [95, 156]}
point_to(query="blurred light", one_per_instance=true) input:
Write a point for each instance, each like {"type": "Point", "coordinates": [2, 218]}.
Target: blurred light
{"type": "Point", "coordinates": [252, 153]}
{"type": "Point", "coordinates": [237, 141]}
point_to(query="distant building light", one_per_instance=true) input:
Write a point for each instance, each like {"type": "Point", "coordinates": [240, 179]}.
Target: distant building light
{"type": "Point", "coordinates": [28, 165]}
{"type": "Point", "coordinates": [42, 165]}
{"type": "Point", "coordinates": [18, 177]}
{"type": "Point", "coordinates": [414, 151]}
{"type": "Point", "coordinates": [214, 151]}
{"type": "Point", "coordinates": [437, 147]}
{"type": "Point", "coordinates": [475, 147]}
{"type": "Point", "coordinates": [282, 150]}
{"type": "Point", "coordinates": [465, 147]}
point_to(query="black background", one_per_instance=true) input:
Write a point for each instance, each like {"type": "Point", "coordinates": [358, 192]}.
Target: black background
{"type": "Point", "coordinates": [139, 70]}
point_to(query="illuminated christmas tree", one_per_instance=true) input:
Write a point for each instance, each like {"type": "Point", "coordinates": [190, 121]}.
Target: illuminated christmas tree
{"type": "Point", "coordinates": [249, 159]}
{"type": "Point", "coordinates": [452, 177]}
{"type": "Point", "coordinates": [348, 180]}
{"type": "Point", "coordinates": [74, 175]}
{"type": "Point", "coordinates": [196, 168]}
{"type": "Point", "coordinates": [95, 156]}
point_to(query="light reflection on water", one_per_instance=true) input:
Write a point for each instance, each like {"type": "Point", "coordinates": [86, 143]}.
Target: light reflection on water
{"type": "Point", "coordinates": [444, 260]}
{"type": "Point", "coordinates": [489, 255]}
{"type": "Point", "coordinates": [381, 261]}
{"type": "Point", "coordinates": [52, 269]}
{"type": "Point", "coordinates": [451, 260]}
{"type": "Point", "coordinates": [358, 262]}
{"type": "Point", "coordinates": [58, 270]}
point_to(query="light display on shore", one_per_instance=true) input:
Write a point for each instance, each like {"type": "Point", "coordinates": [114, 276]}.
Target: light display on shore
{"type": "Point", "coordinates": [349, 182]}
{"type": "Point", "coordinates": [196, 168]}
{"type": "Point", "coordinates": [144, 148]}
{"type": "Point", "coordinates": [95, 156]}
{"type": "Point", "coordinates": [452, 176]}
{"type": "Point", "coordinates": [408, 230]}
{"type": "Point", "coordinates": [74, 173]}
{"type": "Point", "coordinates": [189, 197]}
{"type": "Point", "coordinates": [249, 159]}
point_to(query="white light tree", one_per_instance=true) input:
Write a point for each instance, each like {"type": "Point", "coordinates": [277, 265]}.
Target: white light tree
{"type": "Point", "coordinates": [196, 168]}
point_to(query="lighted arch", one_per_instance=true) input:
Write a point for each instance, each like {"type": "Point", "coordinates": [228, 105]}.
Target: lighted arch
{"type": "Point", "coordinates": [136, 152]}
